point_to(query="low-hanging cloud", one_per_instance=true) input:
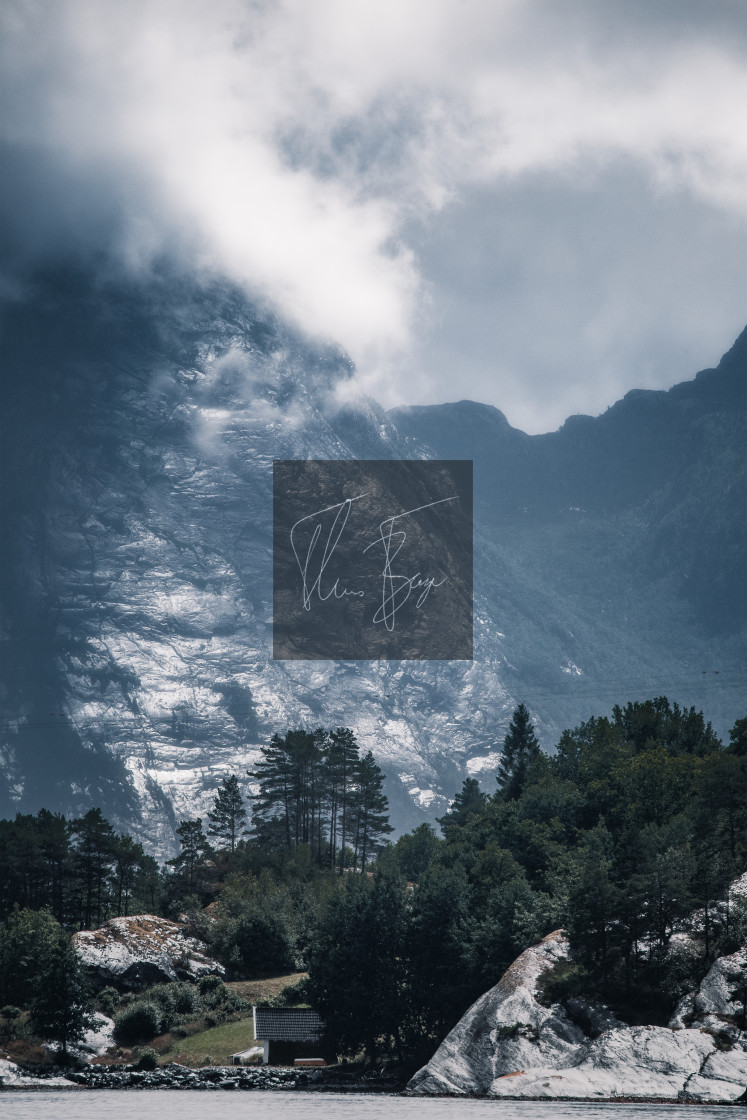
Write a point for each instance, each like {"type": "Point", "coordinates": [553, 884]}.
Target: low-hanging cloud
{"type": "Point", "coordinates": [294, 144]}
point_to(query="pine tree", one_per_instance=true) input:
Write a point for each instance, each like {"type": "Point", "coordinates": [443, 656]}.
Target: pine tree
{"type": "Point", "coordinates": [520, 750]}
{"type": "Point", "coordinates": [470, 799]}
{"type": "Point", "coordinates": [371, 811]}
{"type": "Point", "coordinates": [342, 769]}
{"type": "Point", "coordinates": [95, 842]}
{"type": "Point", "coordinates": [128, 858]}
{"type": "Point", "coordinates": [228, 814]}
{"type": "Point", "coordinates": [191, 859]}
{"type": "Point", "coordinates": [61, 1010]}
{"type": "Point", "coordinates": [287, 808]}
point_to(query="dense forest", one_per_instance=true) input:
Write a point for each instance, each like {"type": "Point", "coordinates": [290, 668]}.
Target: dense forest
{"type": "Point", "coordinates": [628, 836]}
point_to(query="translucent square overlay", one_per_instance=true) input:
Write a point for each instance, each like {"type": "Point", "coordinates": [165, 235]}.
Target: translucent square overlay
{"type": "Point", "coordinates": [372, 559]}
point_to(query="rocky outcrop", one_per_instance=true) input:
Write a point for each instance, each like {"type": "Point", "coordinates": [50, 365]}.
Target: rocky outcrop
{"type": "Point", "coordinates": [508, 1044]}
{"type": "Point", "coordinates": [131, 953]}
{"type": "Point", "coordinates": [506, 1030]}
{"type": "Point", "coordinates": [637, 1062]}
{"type": "Point", "coordinates": [13, 1076]}
{"type": "Point", "coordinates": [720, 1003]}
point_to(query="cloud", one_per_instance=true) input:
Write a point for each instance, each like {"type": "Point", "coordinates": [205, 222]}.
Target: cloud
{"type": "Point", "coordinates": [296, 145]}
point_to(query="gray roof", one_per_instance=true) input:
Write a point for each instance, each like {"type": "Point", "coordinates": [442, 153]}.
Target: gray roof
{"type": "Point", "coordinates": [287, 1024]}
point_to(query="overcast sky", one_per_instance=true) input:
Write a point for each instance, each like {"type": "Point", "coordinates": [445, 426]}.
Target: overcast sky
{"type": "Point", "coordinates": [534, 203]}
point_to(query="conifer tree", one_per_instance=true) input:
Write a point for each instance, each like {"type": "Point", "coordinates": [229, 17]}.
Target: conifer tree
{"type": "Point", "coordinates": [342, 770]}
{"type": "Point", "coordinates": [287, 808]}
{"type": "Point", "coordinates": [61, 1010]}
{"type": "Point", "coordinates": [520, 749]}
{"type": "Point", "coordinates": [195, 848]}
{"type": "Point", "coordinates": [95, 841]}
{"type": "Point", "coordinates": [228, 815]}
{"type": "Point", "coordinates": [470, 799]}
{"type": "Point", "coordinates": [372, 810]}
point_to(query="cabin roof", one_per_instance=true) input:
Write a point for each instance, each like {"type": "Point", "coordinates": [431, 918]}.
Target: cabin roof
{"type": "Point", "coordinates": [287, 1024]}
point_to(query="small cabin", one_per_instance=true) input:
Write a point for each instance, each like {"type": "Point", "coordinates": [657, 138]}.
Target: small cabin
{"type": "Point", "coordinates": [289, 1034]}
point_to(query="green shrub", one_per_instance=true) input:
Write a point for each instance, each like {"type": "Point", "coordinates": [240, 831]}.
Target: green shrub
{"type": "Point", "coordinates": [185, 998]}
{"type": "Point", "coordinates": [163, 997]}
{"type": "Point", "coordinates": [211, 988]}
{"type": "Point", "coordinates": [147, 1058]}
{"type": "Point", "coordinates": [138, 1023]}
{"type": "Point", "coordinates": [251, 939]}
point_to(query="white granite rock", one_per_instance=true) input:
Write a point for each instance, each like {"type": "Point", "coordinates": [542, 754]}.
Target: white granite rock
{"type": "Point", "coordinates": [718, 1004]}
{"type": "Point", "coordinates": [11, 1077]}
{"type": "Point", "coordinates": [505, 1030]}
{"type": "Point", "coordinates": [643, 1062]}
{"type": "Point", "coordinates": [509, 1045]}
{"type": "Point", "coordinates": [140, 950]}
{"type": "Point", "coordinates": [98, 1039]}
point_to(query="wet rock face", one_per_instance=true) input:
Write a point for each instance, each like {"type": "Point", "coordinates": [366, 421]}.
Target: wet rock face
{"type": "Point", "coordinates": [509, 1045]}
{"type": "Point", "coordinates": [132, 953]}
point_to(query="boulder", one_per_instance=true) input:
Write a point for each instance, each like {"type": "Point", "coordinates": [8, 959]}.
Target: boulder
{"type": "Point", "coordinates": [132, 953]}
{"type": "Point", "coordinates": [97, 1040]}
{"type": "Point", "coordinates": [719, 1003]}
{"type": "Point", "coordinates": [509, 1044]}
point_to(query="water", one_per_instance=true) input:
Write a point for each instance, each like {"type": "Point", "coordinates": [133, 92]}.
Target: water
{"type": "Point", "coordinates": [168, 1104]}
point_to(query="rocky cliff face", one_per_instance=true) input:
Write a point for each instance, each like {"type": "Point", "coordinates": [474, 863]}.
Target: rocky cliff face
{"type": "Point", "coordinates": [509, 1045]}
{"type": "Point", "coordinates": [139, 428]}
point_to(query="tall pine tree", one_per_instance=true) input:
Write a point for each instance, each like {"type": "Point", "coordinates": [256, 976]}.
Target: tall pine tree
{"type": "Point", "coordinates": [190, 862]}
{"type": "Point", "coordinates": [371, 811]}
{"type": "Point", "coordinates": [342, 770]}
{"type": "Point", "coordinates": [228, 815]}
{"type": "Point", "coordinates": [468, 801]}
{"type": "Point", "coordinates": [520, 750]}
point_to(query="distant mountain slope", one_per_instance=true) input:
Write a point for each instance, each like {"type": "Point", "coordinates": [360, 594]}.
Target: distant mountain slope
{"type": "Point", "coordinates": [139, 426]}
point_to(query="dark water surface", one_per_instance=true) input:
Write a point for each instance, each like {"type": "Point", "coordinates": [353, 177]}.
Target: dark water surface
{"type": "Point", "coordinates": [171, 1104]}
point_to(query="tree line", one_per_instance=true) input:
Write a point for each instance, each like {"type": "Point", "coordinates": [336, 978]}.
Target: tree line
{"type": "Point", "coordinates": [314, 789]}
{"type": "Point", "coordinates": [81, 869]}
{"type": "Point", "coordinates": [628, 836]}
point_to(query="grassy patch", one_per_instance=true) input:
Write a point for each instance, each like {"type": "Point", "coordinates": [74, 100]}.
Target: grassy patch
{"type": "Point", "coordinates": [215, 1045]}
{"type": "Point", "coordinates": [259, 991]}
{"type": "Point", "coordinates": [210, 1047]}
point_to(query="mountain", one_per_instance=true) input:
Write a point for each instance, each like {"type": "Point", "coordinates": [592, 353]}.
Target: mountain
{"type": "Point", "coordinates": [139, 426]}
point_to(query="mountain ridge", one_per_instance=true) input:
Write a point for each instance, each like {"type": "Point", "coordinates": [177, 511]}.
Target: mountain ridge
{"type": "Point", "coordinates": [140, 425]}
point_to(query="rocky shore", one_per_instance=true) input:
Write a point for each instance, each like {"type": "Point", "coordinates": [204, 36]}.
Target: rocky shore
{"type": "Point", "coordinates": [211, 1078]}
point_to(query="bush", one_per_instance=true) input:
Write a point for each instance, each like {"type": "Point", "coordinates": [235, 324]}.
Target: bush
{"type": "Point", "coordinates": [185, 998]}
{"type": "Point", "coordinates": [147, 1058]}
{"type": "Point", "coordinates": [138, 1023]}
{"type": "Point", "coordinates": [12, 1026]}
{"type": "Point", "coordinates": [163, 997]}
{"type": "Point", "coordinates": [213, 992]}
{"type": "Point", "coordinates": [253, 940]}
